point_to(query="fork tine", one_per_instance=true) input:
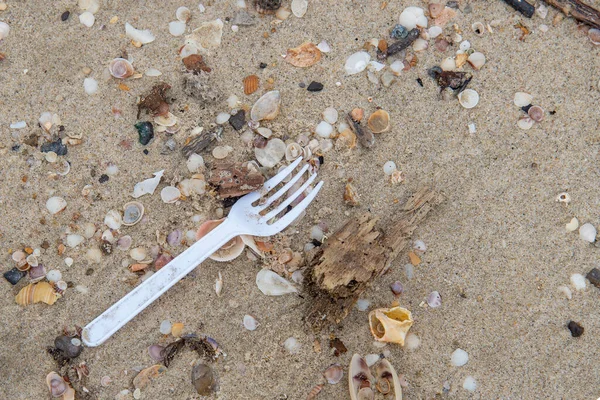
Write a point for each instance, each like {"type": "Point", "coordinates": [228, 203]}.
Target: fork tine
{"type": "Point", "coordinates": [277, 179]}
{"type": "Point", "coordinates": [296, 211]}
{"type": "Point", "coordinates": [284, 189]}
{"type": "Point", "coordinates": [290, 199]}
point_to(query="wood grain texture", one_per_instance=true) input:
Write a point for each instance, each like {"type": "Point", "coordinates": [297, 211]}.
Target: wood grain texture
{"type": "Point", "coordinates": [578, 10]}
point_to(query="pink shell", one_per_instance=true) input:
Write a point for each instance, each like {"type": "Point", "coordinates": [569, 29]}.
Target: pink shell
{"type": "Point", "coordinates": [230, 250]}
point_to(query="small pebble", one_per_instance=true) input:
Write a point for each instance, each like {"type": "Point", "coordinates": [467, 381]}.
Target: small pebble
{"type": "Point", "coordinates": [165, 327]}
{"type": "Point", "coordinates": [238, 120]}
{"type": "Point", "coordinates": [578, 282]}
{"type": "Point", "coordinates": [459, 358]}
{"type": "Point", "coordinates": [292, 345]}
{"type": "Point", "coordinates": [315, 87]}
{"type": "Point", "coordinates": [470, 384]}
{"type": "Point", "coordinates": [222, 118]}
{"type": "Point", "coordinates": [575, 328]}
{"type": "Point", "coordinates": [65, 16]}
{"type": "Point", "coordinates": [324, 129]}
{"type": "Point", "coordinates": [13, 276]}
{"type": "Point", "coordinates": [330, 115]}
{"type": "Point", "coordinates": [90, 85]}
{"type": "Point", "coordinates": [594, 277]}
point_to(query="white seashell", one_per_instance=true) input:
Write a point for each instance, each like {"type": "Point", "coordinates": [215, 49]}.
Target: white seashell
{"type": "Point", "coordinates": [4, 30]}
{"type": "Point", "coordinates": [389, 167]}
{"type": "Point", "coordinates": [147, 186]}
{"type": "Point", "coordinates": [459, 358]}
{"type": "Point", "coordinates": [292, 345]}
{"type": "Point", "coordinates": [266, 107]}
{"type": "Point", "coordinates": [572, 225]}
{"type": "Point", "coordinates": [87, 19]}
{"type": "Point", "coordinates": [153, 72]}
{"type": "Point", "coordinates": [208, 35]}
{"type": "Point", "coordinates": [468, 98]}
{"type": "Point", "coordinates": [138, 253]}
{"type": "Point", "coordinates": [470, 384]}
{"type": "Point", "coordinates": [412, 17]}
{"type": "Point", "coordinates": [111, 169]}
{"type": "Point", "coordinates": [89, 5]}
{"type": "Point", "coordinates": [183, 14]}
{"type": "Point", "coordinates": [477, 60]}
{"type": "Point", "coordinates": [272, 284]}
{"type": "Point", "coordinates": [166, 120]}
{"type": "Point", "coordinates": [362, 304]}
{"type": "Point", "coordinates": [51, 157]}
{"type": "Point", "coordinates": [113, 219]}
{"type": "Point", "coordinates": [264, 132]}
{"type": "Point", "coordinates": [448, 64]}
{"type": "Point", "coordinates": [330, 115]}
{"type": "Point", "coordinates": [588, 232]}
{"type": "Point", "coordinates": [221, 152]}
{"type": "Point", "coordinates": [138, 35]}
{"type": "Point", "coordinates": [222, 118]}
{"type": "Point", "coordinates": [232, 101]}
{"type": "Point", "coordinates": [45, 121]}
{"type": "Point", "coordinates": [299, 7]}
{"type": "Point", "coordinates": [357, 62]}
{"type": "Point", "coordinates": [412, 341]}
{"type": "Point", "coordinates": [293, 151]}
{"type": "Point", "coordinates": [195, 163]}
{"type": "Point", "coordinates": [397, 67]}
{"type": "Point", "coordinates": [176, 28]}
{"type": "Point", "coordinates": [324, 129]}
{"type": "Point", "coordinates": [325, 145]}
{"type": "Point", "coordinates": [464, 45]}
{"type": "Point", "coordinates": [250, 323]}
{"type": "Point", "coordinates": [132, 213]}
{"type": "Point", "coordinates": [271, 154]}
{"type": "Point", "coordinates": [124, 243]}
{"type": "Point", "coordinates": [371, 359]}
{"type": "Point", "coordinates": [420, 44]}
{"type": "Point", "coordinates": [88, 230]}
{"type": "Point", "coordinates": [90, 86]}
{"type": "Point", "coordinates": [419, 245]}
{"type": "Point", "coordinates": [434, 31]}
{"type": "Point", "coordinates": [94, 255]}
{"type": "Point", "coordinates": [578, 282]}
{"type": "Point", "coordinates": [219, 284]}
{"type": "Point", "coordinates": [324, 47]}
{"type": "Point", "coordinates": [387, 78]}
{"type": "Point", "coordinates": [170, 194]}
{"type": "Point", "coordinates": [74, 240]}
{"type": "Point", "coordinates": [522, 99]}
{"type": "Point", "coordinates": [434, 299]}
{"type": "Point", "coordinates": [68, 261]}
{"type": "Point", "coordinates": [566, 291]}
{"type": "Point", "coordinates": [54, 275]}
{"type": "Point", "coordinates": [108, 236]}
{"type": "Point", "coordinates": [55, 204]}
{"type": "Point", "coordinates": [478, 28]}
{"type": "Point", "coordinates": [32, 260]}
{"type": "Point", "coordinates": [375, 66]}
{"type": "Point", "coordinates": [525, 123]}
{"type": "Point", "coordinates": [188, 49]}
{"type": "Point", "coordinates": [189, 187]}
{"type": "Point", "coordinates": [120, 68]}
{"type": "Point", "coordinates": [18, 125]}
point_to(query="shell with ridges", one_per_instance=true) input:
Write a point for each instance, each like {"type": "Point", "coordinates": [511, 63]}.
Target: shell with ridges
{"type": "Point", "coordinates": [132, 213]}
{"type": "Point", "coordinates": [121, 68]}
{"type": "Point", "coordinates": [35, 293]}
{"type": "Point", "coordinates": [250, 84]}
{"type": "Point", "coordinates": [390, 325]}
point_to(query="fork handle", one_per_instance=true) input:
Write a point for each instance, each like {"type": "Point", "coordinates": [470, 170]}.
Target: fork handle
{"type": "Point", "coordinates": [124, 310]}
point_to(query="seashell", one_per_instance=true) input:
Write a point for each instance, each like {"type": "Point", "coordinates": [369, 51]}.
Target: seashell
{"type": "Point", "coordinates": [35, 293]}
{"type": "Point", "coordinates": [113, 219]}
{"type": "Point", "coordinates": [32, 260]}
{"type": "Point", "coordinates": [435, 9]}
{"type": "Point", "coordinates": [359, 379]}
{"type": "Point", "coordinates": [476, 59]}
{"type": "Point", "coordinates": [19, 256]}
{"type": "Point", "coordinates": [292, 345]}
{"type": "Point", "coordinates": [468, 98]}
{"type": "Point", "coordinates": [203, 379]}
{"type": "Point", "coordinates": [156, 352]}
{"type": "Point", "coordinates": [87, 19]}
{"type": "Point", "coordinates": [56, 384]}
{"type": "Point", "coordinates": [305, 55]}
{"type": "Point", "coordinates": [420, 45]}
{"type": "Point", "coordinates": [121, 68]}
{"type": "Point", "coordinates": [147, 186]}
{"type": "Point", "coordinates": [54, 275]}
{"type": "Point", "coordinates": [525, 122]}
{"type": "Point", "coordinates": [448, 64]}
{"type": "Point", "coordinates": [397, 288]}
{"type": "Point", "coordinates": [132, 213]}
{"type": "Point", "coordinates": [478, 28]}
{"type": "Point", "coordinates": [183, 14]}
{"type": "Point", "coordinates": [251, 242]}
{"type": "Point", "coordinates": [170, 194]}
{"type": "Point", "coordinates": [138, 35]}
{"type": "Point", "coordinates": [228, 251]}
{"type": "Point", "coordinates": [250, 323]}
{"type": "Point", "coordinates": [470, 384]}
{"type": "Point", "coordinates": [314, 392]}
{"type": "Point", "coordinates": [330, 115]}
{"type": "Point", "coordinates": [177, 329]}
{"type": "Point", "coordinates": [207, 36]}
{"type": "Point", "coordinates": [594, 35]}
{"type": "Point", "coordinates": [162, 260]}
{"type": "Point", "coordinates": [357, 62]}
{"type": "Point", "coordinates": [282, 14]}
{"type": "Point", "coordinates": [588, 232]}
{"type": "Point", "coordinates": [347, 139]}
{"type": "Point", "coordinates": [434, 299]}
{"type": "Point", "coordinates": [413, 17]}
{"type": "Point", "coordinates": [299, 7]}
{"type": "Point", "coordinates": [56, 204]}
{"type": "Point", "coordinates": [334, 373]}
{"type": "Point", "coordinates": [324, 129]}
{"type": "Point", "coordinates": [390, 325]}
{"type": "Point", "coordinates": [266, 107]}
{"type": "Point", "coordinates": [176, 28]}
{"type": "Point", "coordinates": [124, 243]}
{"type": "Point", "coordinates": [271, 154]}
{"type": "Point", "coordinates": [94, 255]}
{"type": "Point", "coordinates": [105, 381]}
{"type": "Point", "coordinates": [89, 5]}
{"type": "Point", "coordinates": [90, 86]}
{"type": "Point", "coordinates": [459, 358]}
{"type": "Point", "coordinates": [219, 285]}
{"type": "Point", "coordinates": [267, 6]}
{"type": "Point", "coordinates": [250, 84]}
{"type": "Point", "coordinates": [4, 30]}
{"type": "Point", "coordinates": [522, 99]}
{"type": "Point", "coordinates": [37, 273]}
{"type": "Point", "coordinates": [174, 238]}
{"type": "Point", "coordinates": [138, 253]}
{"type": "Point", "coordinates": [166, 120]}
{"type": "Point", "coordinates": [379, 121]}
{"type": "Point", "coordinates": [536, 113]}
{"type": "Point", "coordinates": [272, 284]}
{"type": "Point", "coordinates": [148, 375]}
{"type": "Point", "coordinates": [387, 379]}
{"type": "Point", "coordinates": [221, 152]}
{"type": "Point", "coordinates": [152, 72]}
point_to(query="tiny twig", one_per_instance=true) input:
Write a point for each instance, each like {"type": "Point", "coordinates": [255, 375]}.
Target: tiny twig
{"type": "Point", "coordinates": [522, 6]}
{"type": "Point", "coordinates": [578, 10]}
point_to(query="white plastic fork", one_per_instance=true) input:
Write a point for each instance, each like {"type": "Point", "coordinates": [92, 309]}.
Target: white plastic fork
{"type": "Point", "coordinates": [243, 219]}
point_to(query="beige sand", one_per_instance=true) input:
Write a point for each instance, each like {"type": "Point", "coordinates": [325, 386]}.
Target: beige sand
{"type": "Point", "coordinates": [497, 248]}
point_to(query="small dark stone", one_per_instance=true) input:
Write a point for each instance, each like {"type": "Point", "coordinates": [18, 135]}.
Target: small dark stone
{"type": "Point", "coordinates": [65, 344]}
{"type": "Point", "coordinates": [45, 245]}
{"type": "Point", "coordinates": [338, 345]}
{"type": "Point", "coordinates": [420, 82]}
{"type": "Point", "coordinates": [16, 147]}
{"type": "Point", "coordinates": [93, 172]}
{"type": "Point", "coordinates": [316, 243]}
{"type": "Point", "coordinates": [552, 112]}
{"type": "Point", "coordinates": [103, 178]}
{"type": "Point", "coordinates": [89, 271]}
{"type": "Point", "coordinates": [145, 151]}
{"type": "Point", "coordinates": [594, 277]}
{"type": "Point", "coordinates": [145, 132]}
{"type": "Point", "coordinates": [14, 276]}
{"type": "Point", "coordinates": [65, 16]}
{"type": "Point", "coordinates": [263, 65]}
{"type": "Point", "coordinates": [61, 128]}
{"type": "Point", "coordinates": [57, 146]}
{"type": "Point", "coordinates": [302, 85]}
{"type": "Point", "coordinates": [526, 108]}
{"type": "Point", "coordinates": [315, 87]}
{"type": "Point", "coordinates": [238, 120]}
{"type": "Point", "coordinates": [575, 328]}
{"type": "Point", "coordinates": [321, 160]}
{"type": "Point", "coordinates": [229, 202]}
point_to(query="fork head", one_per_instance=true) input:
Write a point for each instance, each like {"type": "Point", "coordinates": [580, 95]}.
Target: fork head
{"type": "Point", "coordinates": [257, 219]}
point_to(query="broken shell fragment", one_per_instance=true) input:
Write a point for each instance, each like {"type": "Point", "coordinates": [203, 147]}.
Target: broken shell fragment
{"type": "Point", "coordinates": [4, 29]}
{"type": "Point", "coordinates": [387, 379]}
{"type": "Point", "coordinates": [525, 123]}
{"type": "Point", "coordinates": [229, 250]}
{"type": "Point", "coordinates": [359, 379]}
{"type": "Point", "coordinates": [272, 284]}
{"type": "Point", "coordinates": [35, 293]}
{"type": "Point", "coordinates": [203, 379]}
{"type": "Point", "coordinates": [267, 107]}
{"type": "Point", "coordinates": [56, 384]}
{"type": "Point", "coordinates": [434, 299]}
{"type": "Point", "coordinates": [113, 219]}
{"type": "Point", "coordinates": [299, 7]}
{"type": "Point", "coordinates": [468, 98]}
{"type": "Point", "coordinates": [138, 35]}
{"type": "Point", "coordinates": [413, 17]}
{"type": "Point", "coordinates": [183, 14]}
{"type": "Point", "coordinates": [132, 213]}
{"type": "Point", "coordinates": [357, 62]}
{"type": "Point", "coordinates": [147, 186]}
{"type": "Point", "coordinates": [522, 99]}
{"type": "Point", "coordinates": [477, 60]}
{"type": "Point", "coordinates": [121, 68]}
{"type": "Point", "coordinates": [271, 154]}
{"type": "Point", "coordinates": [166, 120]}
{"type": "Point", "coordinates": [305, 55]}
{"type": "Point", "coordinates": [148, 375]}
{"type": "Point", "coordinates": [170, 194]}
{"type": "Point", "coordinates": [250, 323]}
{"type": "Point", "coordinates": [379, 121]}
{"type": "Point", "coordinates": [250, 84]}
{"type": "Point", "coordinates": [56, 204]}
{"type": "Point", "coordinates": [293, 151]}
{"type": "Point", "coordinates": [334, 373]}
{"type": "Point", "coordinates": [138, 253]}
{"type": "Point", "coordinates": [478, 28]}
{"type": "Point", "coordinates": [390, 324]}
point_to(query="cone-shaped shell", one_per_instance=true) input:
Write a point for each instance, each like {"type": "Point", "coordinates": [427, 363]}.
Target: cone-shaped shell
{"type": "Point", "coordinates": [120, 68]}
{"type": "Point", "coordinates": [36, 292]}
{"type": "Point", "coordinates": [359, 379]}
{"type": "Point", "coordinates": [230, 250]}
{"type": "Point", "coordinates": [387, 379]}
{"type": "Point", "coordinates": [267, 107]}
{"type": "Point", "coordinates": [56, 384]}
{"type": "Point", "coordinates": [390, 324]}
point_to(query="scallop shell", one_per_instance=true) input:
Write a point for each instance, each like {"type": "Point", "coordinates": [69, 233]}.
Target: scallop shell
{"type": "Point", "coordinates": [359, 379]}
{"type": "Point", "coordinates": [183, 14]}
{"type": "Point", "coordinates": [120, 68]}
{"type": "Point", "coordinates": [56, 204]}
{"type": "Point", "coordinates": [387, 379]}
{"type": "Point", "coordinates": [305, 55]}
{"type": "Point", "coordinates": [132, 213]}
{"type": "Point", "coordinates": [390, 325]}
{"type": "Point", "coordinates": [379, 121]}
{"type": "Point", "coordinates": [293, 151]}
{"type": "Point", "coordinates": [267, 107]}
{"type": "Point", "coordinates": [56, 384]}
{"type": "Point", "coordinates": [250, 84]}
{"type": "Point", "coordinates": [35, 293]}
{"type": "Point", "coordinates": [229, 250]}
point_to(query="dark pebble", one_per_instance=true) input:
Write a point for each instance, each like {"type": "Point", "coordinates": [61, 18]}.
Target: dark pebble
{"type": "Point", "coordinates": [594, 277]}
{"type": "Point", "coordinates": [14, 276]}
{"type": "Point", "coordinates": [145, 151]}
{"type": "Point", "coordinates": [263, 65]}
{"type": "Point", "coordinates": [65, 16]}
{"type": "Point", "coordinates": [238, 120]}
{"type": "Point", "coordinates": [321, 160]}
{"type": "Point", "coordinates": [316, 243]}
{"type": "Point", "coordinates": [16, 147]}
{"type": "Point", "coordinates": [89, 271]}
{"type": "Point", "coordinates": [57, 146]}
{"type": "Point", "coordinates": [145, 132]}
{"type": "Point", "coordinates": [103, 178]}
{"type": "Point", "coordinates": [575, 328]}
{"type": "Point", "coordinates": [315, 87]}
{"type": "Point", "coordinates": [526, 108]}
{"type": "Point", "coordinates": [64, 344]}
{"type": "Point", "coordinates": [420, 82]}
{"type": "Point", "coordinates": [302, 85]}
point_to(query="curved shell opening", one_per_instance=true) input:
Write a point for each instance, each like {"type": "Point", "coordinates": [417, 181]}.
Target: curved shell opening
{"type": "Point", "coordinates": [229, 250]}
{"type": "Point", "coordinates": [132, 213]}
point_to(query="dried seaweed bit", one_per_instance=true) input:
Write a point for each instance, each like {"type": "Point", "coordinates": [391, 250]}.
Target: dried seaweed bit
{"type": "Point", "coordinates": [155, 101]}
{"type": "Point", "coordinates": [195, 64]}
{"type": "Point", "coordinates": [171, 350]}
{"type": "Point", "coordinates": [200, 88]}
{"type": "Point", "coordinates": [365, 136]}
{"type": "Point", "coordinates": [234, 180]}
{"type": "Point", "coordinates": [338, 345]}
{"type": "Point", "coordinates": [457, 81]}
{"type": "Point", "coordinates": [56, 146]}
{"type": "Point", "coordinates": [198, 143]}
{"type": "Point", "coordinates": [399, 45]}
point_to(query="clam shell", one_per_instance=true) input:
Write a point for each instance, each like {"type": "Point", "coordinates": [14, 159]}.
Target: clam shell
{"type": "Point", "coordinates": [536, 113]}
{"type": "Point", "coordinates": [271, 154]}
{"type": "Point", "coordinates": [4, 29]}
{"type": "Point", "coordinates": [250, 84]}
{"type": "Point", "coordinates": [250, 242]}
{"type": "Point", "coordinates": [359, 378]}
{"type": "Point", "coordinates": [293, 151]}
{"type": "Point", "coordinates": [228, 251]}
{"type": "Point", "coordinates": [272, 284]}
{"type": "Point", "coordinates": [124, 243]}
{"type": "Point", "coordinates": [468, 98]}
{"type": "Point", "coordinates": [334, 373]}
{"type": "Point", "coordinates": [387, 379]}
{"type": "Point", "coordinates": [138, 253]}
{"type": "Point", "coordinates": [121, 68]}
{"type": "Point", "coordinates": [35, 293]}
{"type": "Point", "coordinates": [357, 62]}
{"type": "Point", "coordinates": [166, 120]}
{"type": "Point", "coordinates": [305, 55]}
{"type": "Point", "coordinates": [477, 60]}
{"type": "Point", "coordinates": [56, 384]}
{"type": "Point", "coordinates": [522, 99]}
{"type": "Point", "coordinates": [132, 213]}
{"type": "Point", "coordinates": [183, 14]}
{"type": "Point", "coordinates": [56, 204]}
{"type": "Point", "coordinates": [525, 122]}
{"type": "Point", "coordinates": [267, 107]}
{"type": "Point", "coordinates": [299, 7]}
{"type": "Point", "coordinates": [379, 121]}
{"type": "Point", "coordinates": [113, 219]}
{"type": "Point", "coordinates": [250, 323]}
{"type": "Point", "coordinates": [170, 194]}
{"type": "Point", "coordinates": [390, 324]}
{"type": "Point", "coordinates": [156, 352]}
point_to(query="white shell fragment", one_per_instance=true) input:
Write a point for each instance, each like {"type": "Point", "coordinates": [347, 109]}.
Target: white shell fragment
{"type": "Point", "coordinates": [522, 99]}
{"type": "Point", "coordinates": [588, 232]}
{"type": "Point", "coordinates": [468, 98]}
{"type": "Point", "coordinates": [56, 204]}
{"type": "Point", "coordinates": [578, 281]}
{"type": "Point", "coordinates": [420, 44]}
{"type": "Point", "coordinates": [389, 167]}
{"type": "Point", "coordinates": [267, 107]}
{"type": "Point", "coordinates": [4, 29]}
{"type": "Point", "coordinates": [195, 163]}
{"type": "Point", "coordinates": [90, 86]}
{"type": "Point", "coordinates": [113, 219]}
{"type": "Point", "coordinates": [165, 327]}
{"type": "Point", "coordinates": [324, 47]}
{"type": "Point", "coordinates": [250, 323]}
{"type": "Point", "coordinates": [434, 299]}
{"type": "Point", "coordinates": [477, 60]}
{"type": "Point", "coordinates": [525, 123]}
{"type": "Point", "coordinates": [87, 19]}
{"type": "Point", "coordinates": [143, 36]}
{"type": "Point", "coordinates": [271, 154]}
{"type": "Point", "coordinates": [292, 345]}
{"type": "Point", "coordinates": [357, 62]}
{"type": "Point", "coordinates": [459, 358]}
{"type": "Point", "coordinates": [566, 291]}
{"type": "Point", "coordinates": [183, 14]}
{"type": "Point", "coordinates": [222, 118]}
{"type": "Point", "coordinates": [153, 72]}
{"type": "Point", "coordinates": [147, 186]}
{"type": "Point", "coordinates": [572, 225]}
{"type": "Point", "coordinates": [207, 36]}
{"type": "Point", "coordinates": [138, 253]}
{"type": "Point", "coordinates": [448, 64]}
{"type": "Point", "coordinates": [299, 7]}
{"type": "Point", "coordinates": [330, 115]}
{"type": "Point", "coordinates": [412, 341]}
{"type": "Point", "coordinates": [435, 31]}
{"type": "Point", "coordinates": [132, 213]}
{"type": "Point", "coordinates": [412, 17]}
{"type": "Point", "coordinates": [470, 384]}
{"type": "Point", "coordinates": [176, 28]}
{"type": "Point", "coordinates": [219, 284]}
{"type": "Point", "coordinates": [324, 129]}
{"type": "Point", "coordinates": [272, 284]}
{"type": "Point", "coordinates": [89, 5]}
{"type": "Point", "coordinates": [94, 255]}
{"type": "Point", "coordinates": [18, 125]}
{"type": "Point", "coordinates": [170, 194]}
{"type": "Point", "coordinates": [74, 240]}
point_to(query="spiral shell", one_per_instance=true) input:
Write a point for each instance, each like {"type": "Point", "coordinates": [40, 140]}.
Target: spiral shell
{"type": "Point", "coordinates": [390, 324]}
{"type": "Point", "coordinates": [35, 293]}
{"type": "Point", "coordinates": [120, 68]}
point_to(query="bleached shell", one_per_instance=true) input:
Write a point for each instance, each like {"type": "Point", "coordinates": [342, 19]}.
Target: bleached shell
{"type": "Point", "coordinates": [207, 36]}
{"type": "Point", "coordinates": [94, 255]}
{"type": "Point", "coordinates": [90, 86]}
{"type": "Point", "coordinates": [74, 240]}
{"type": "Point", "coordinates": [477, 60]}
{"type": "Point", "coordinates": [142, 36]}
{"type": "Point", "coordinates": [183, 14]}
{"type": "Point", "coordinates": [588, 232]}
{"type": "Point", "coordinates": [412, 17]}
{"type": "Point", "coordinates": [293, 151]}
{"type": "Point", "coordinates": [478, 28]}
{"type": "Point", "coordinates": [166, 120]}
{"type": "Point", "coordinates": [120, 68]}
{"type": "Point", "coordinates": [89, 5]}
{"type": "Point", "coordinates": [420, 44]}
{"type": "Point", "coordinates": [390, 324]}
{"type": "Point", "coordinates": [32, 260]}
{"type": "Point", "coordinates": [324, 47]}
{"type": "Point", "coordinates": [282, 14]}
{"type": "Point", "coordinates": [4, 30]}
{"type": "Point", "coordinates": [195, 163]}
{"type": "Point", "coordinates": [132, 213]}
{"type": "Point", "coordinates": [124, 243]}
{"type": "Point", "coordinates": [250, 242]}
{"type": "Point", "coordinates": [56, 384]}
{"type": "Point", "coordinates": [271, 154]}
{"type": "Point", "coordinates": [113, 219]}
{"type": "Point", "coordinates": [448, 64]}
{"type": "Point", "coordinates": [434, 31]}
{"type": "Point", "coordinates": [272, 284]}
{"type": "Point", "coordinates": [229, 250]}
{"type": "Point", "coordinates": [459, 358]}
{"type": "Point", "coordinates": [299, 7]}
{"type": "Point", "coordinates": [45, 120]}
{"type": "Point", "coordinates": [188, 49]}
{"type": "Point", "coordinates": [147, 186]}
{"type": "Point", "coordinates": [522, 99]}
{"type": "Point", "coordinates": [189, 187]}
{"type": "Point", "coordinates": [87, 19]}
{"type": "Point", "coordinates": [468, 98]}
{"type": "Point", "coordinates": [56, 204]}
{"type": "Point", "coordinates": [572, 225]}
{"type": "Point", "coordinates": [250, 323]}
{"type": "Point", "coordinates": [219, 284]}
{"type": "Point", "coordinates": [267, 107]}
{"type": "Point", "coordinates": [525, 122]}
{"type": "Point", "coordinates": [330, 115]}
{"type": "Point", "coordinates": [176, 28]}
{"type": "Point", "coordinates": [221, 152]}
{"type": "Point", "coordinates": [108, 236]}
{"type": "Point", "coordinates": [324, 129]}
{"type": "Point", "coordinates": [138, 253]}
{"type": "Point", "coordinates": [333, 374]}
{"type": "Point", "coordinates": [357, 62]}
{"type": "Point", "coordinates": [222, 118]}
{"type": "Point", "coordinates": [153, 72]}
{"type": "Point", "coordinates": [170, 194]}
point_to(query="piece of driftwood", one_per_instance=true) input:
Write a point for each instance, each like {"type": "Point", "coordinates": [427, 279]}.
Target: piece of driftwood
{"type": "Point", "coordinates": [522, 6]}
{"type": "Point", "coordinates": [348, 262]}
{"type": "Point", "coordinates": [399, 45]}
{"type": "Point", "coordinates": [578, 10]}
{"type": "Point", "coordinates": [234, 180]}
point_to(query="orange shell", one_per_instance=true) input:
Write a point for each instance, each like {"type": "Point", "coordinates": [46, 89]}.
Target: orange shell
{"type": "Point", "coordinates": [177, 329]}
{"type": "Point", "coordinates": [305, 55]}
{"type": "Point", "coordinates": [35, 293]}
{"type": "Point", "coordinates": [250, 84]}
